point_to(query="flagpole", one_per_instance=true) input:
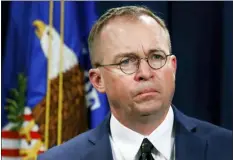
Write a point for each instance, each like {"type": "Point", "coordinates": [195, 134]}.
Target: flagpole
{"type": "Point", "coordinates": [60, 102]}
{"type": "Point", "coordinates": [47, 112]}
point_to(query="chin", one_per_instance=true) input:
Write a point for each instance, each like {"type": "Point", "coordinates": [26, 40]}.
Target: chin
{"type": "Point", "coordinates": [148, 107]}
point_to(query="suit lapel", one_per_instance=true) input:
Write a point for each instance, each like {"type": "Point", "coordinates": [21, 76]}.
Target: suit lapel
{"type": "Point", "coordinates": [101, 148]}
{"type": "Point", "coordinates": [188, 145]}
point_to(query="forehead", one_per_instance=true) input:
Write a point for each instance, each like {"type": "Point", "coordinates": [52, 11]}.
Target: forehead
{"type": "Point", "coordinates": [125, 35]}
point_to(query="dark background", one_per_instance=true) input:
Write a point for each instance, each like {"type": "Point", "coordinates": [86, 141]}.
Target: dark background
{"type": "Point", "coordinates": [202, 40]}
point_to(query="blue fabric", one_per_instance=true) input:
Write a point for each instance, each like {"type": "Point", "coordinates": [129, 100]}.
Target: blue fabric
{"type": "Point", "coordinates": [194, 140]}
{"type": "Point", "coordinates": [227, 68]}
{"type": "Point", "coordinates": [23, 52]}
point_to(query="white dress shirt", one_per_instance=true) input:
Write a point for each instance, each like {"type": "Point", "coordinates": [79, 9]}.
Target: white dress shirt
{"type": "Point", "coordinates": [126, 143]}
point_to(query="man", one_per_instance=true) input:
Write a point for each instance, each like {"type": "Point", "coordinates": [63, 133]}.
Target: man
{"type": "Point", "coordinates": [131, 53]}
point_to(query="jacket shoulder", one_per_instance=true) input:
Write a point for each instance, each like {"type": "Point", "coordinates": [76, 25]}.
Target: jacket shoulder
{"type": "Point", "coordinates": [209, 130]}
{"type": "Point", "coordinates": [219, 139]}
{"type": "Point", "coordinates": [72, 149]}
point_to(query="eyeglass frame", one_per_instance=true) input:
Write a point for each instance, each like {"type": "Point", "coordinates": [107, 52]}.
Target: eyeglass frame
{"type": "Point", "coordinates": [138, 63]}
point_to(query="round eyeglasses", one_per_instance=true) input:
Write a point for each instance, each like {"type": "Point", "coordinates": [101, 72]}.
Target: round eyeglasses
{"type": "Point", "coordinates": [130, 64]}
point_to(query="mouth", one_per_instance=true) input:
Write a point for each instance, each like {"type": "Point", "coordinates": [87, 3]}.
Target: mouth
{"type": "Point", "coordinates": [146, 93]}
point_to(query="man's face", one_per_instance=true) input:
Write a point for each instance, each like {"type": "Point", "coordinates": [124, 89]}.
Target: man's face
{"type": "Point", "coordinates": [146, 91]}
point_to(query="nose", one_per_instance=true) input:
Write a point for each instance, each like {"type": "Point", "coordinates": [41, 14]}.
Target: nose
{"type": "Point", "coordinates": [144, 71]}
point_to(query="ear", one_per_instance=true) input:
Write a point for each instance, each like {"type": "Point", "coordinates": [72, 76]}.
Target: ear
{"type": "Point", "coordinates": [97, 80]}
{"type": "Point", "coordinates": [174, 65]}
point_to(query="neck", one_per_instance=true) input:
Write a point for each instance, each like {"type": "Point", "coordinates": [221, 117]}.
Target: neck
{"type": "Point", "coordinates": [143, 124]}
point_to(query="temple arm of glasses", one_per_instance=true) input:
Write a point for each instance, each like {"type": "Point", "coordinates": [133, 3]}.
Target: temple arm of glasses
{"type": "Point", "coordinates": [104, 65]}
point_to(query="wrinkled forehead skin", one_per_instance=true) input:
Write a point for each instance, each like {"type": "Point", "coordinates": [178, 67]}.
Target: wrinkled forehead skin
{"type": "Point", "coordinates": [125, 34]}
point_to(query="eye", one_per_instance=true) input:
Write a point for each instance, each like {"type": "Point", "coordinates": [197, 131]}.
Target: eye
{"type": "Point", "coordinates": [157, 56]}
{"type": "Point", "coordinates": [128, 60]}
{"type": "Point", "coordinates": [125, 61]}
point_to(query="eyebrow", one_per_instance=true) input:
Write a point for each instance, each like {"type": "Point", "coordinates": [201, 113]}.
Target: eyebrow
{"type": "Point", "coordinates": [121, 55]}
{"type": "Point", "coordinates": [155, 50]}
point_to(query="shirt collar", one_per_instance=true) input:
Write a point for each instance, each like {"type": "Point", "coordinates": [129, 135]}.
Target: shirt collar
{"type": "Point", "coordinates": [125, 138]}
{"type": "Point", "coordinates": [162, 137]}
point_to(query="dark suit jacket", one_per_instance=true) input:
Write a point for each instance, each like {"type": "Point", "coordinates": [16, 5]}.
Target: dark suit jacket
{"type": "Point", "coordinates": [194, 140]}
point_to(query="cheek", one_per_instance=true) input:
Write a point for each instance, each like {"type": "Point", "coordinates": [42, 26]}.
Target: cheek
{"type": "Point", "coordinates": [167, 80]}
{"type": "Point", "coordinates": [117, 87]}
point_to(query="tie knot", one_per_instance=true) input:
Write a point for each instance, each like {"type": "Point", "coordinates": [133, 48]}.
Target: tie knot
{"type": "Point", "coordinates": [146, 146]}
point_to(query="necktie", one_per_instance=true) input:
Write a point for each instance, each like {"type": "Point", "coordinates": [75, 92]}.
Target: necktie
{"type": "Point", "coordinates": [146, 148]}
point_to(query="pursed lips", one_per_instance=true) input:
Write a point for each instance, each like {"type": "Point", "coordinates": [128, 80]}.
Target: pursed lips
{"type": "Point", "coordinates": [149, 90]}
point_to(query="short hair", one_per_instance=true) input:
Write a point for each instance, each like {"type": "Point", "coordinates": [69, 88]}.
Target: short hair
{"type": "Point", "coordinates": [125, 11]}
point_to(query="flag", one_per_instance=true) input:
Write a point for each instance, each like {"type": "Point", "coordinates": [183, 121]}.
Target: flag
{"type": "Point", "coordinates": [97, 102]}
{"type": "Point", "coordinates": [30, 45]}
